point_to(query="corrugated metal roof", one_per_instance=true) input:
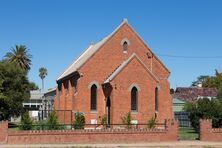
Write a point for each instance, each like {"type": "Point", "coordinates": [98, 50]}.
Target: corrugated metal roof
{"type": "Point", "coordinates": [190, 94]}
{"type": "Point", "coordinates": [87, 54]}
{"type": "Point", "coordinates": [177, 101]}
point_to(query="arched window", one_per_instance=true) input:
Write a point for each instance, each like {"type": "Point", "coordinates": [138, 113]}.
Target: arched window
{"type": "Point", "coordinates": [156, 99]}
{"type": "Point", "coordinates": [93, 104]}
{"type": "Point", "coordinates": [125, 46]}
{"type": "Point", "coordinates": [134, 95]}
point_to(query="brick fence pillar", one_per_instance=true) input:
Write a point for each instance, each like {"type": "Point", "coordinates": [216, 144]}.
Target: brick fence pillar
{"type": "Point", "coordinates": [205, 129]}
{"type": "Point", "coordinates": [3, 132]}
{"type": "Point", "coordinates": [172, 127]}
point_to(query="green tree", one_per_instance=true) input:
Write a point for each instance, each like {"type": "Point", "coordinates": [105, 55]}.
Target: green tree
{"type": "Point", "coordinates": [26, 122]}
{"type": "Point", "coordinates": [79, 121]}
{"type": "Point", "coordinates": [20, 56]}
{"type": "Point", "coordinates": [210, 81]}
{"type": "Point", "coordinates": [127, 120]}
{"type": "Point", "coordinates": [200, 80]}
{"type": "Point", "coordinates": [52, 121]}
{"type": "Point", "coordinates": [33, 86]}
{"type": "Point", "coordinates": [204, 109]}
{"type": "Point", "coordinates": [14, 89]}
{"type": "Point", "coordinates": [42, 74]}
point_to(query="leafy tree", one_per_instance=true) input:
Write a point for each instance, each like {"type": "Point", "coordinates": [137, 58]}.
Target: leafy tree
{"type": "Point", "coordinates": [210, 81]}
{"type": "Point", "coordinates": [14, 89]}
{"type": "Point", "coordinates": [200, 80]}
{"type": "Point", "coordinates": [172, 91]}
{"type": "Point", "coordinates": [79, 121]}
{"type": "Point", "coordinates": [33, 86]}
{"type": "Point", "coordinates": [204, 109]}
{"type": "Point", "coordinates": [26, 122]}
{"type": "Point", "coordinates": [20, 56]}
{"type": "Point", "coordinates": [42, 74]}
{"type": "Point", "coordinates": [52, 121]}
{"type": "Point", "coordinates": [127, 120]}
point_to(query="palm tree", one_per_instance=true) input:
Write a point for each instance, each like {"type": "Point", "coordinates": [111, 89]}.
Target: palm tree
{"type": "Point", "coordinates": [19, 55]}
{"type": "Point", "coordinates": [42, 74]}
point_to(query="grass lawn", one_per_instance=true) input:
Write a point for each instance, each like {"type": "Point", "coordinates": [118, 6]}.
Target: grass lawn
{"type": "Point", "coordinates": [187, 133]}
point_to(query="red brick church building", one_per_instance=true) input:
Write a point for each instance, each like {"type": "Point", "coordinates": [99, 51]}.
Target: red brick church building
{"type": "Point", "coordinates": [117, 75]}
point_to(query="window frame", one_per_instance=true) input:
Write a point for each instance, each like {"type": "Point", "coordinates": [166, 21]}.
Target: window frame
{"type": "Point", "coordinates": [134, 100]}
{"type": "Point", "coordinates": [93, 97]}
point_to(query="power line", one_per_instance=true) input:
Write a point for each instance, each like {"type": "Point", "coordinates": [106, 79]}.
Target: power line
{"type": "Point", "coordinates": [190, 57]}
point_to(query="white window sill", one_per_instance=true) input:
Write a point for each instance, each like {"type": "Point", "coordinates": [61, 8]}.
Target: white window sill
{"type": "Point", "coordinates": [93, 111]}
{"type": "Point", "coordinates": [134, 112]}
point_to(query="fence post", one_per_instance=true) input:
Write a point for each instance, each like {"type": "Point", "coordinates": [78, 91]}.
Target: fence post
{"type": "Point", "coordinates": [3, 132]}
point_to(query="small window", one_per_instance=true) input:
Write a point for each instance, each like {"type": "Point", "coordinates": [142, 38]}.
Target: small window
{"type": "Point", "coordinates": [134, 95]}
{"type": "Point", "coordinates": [125, 46]}
{"type": "Point", "coordinates": [156, 99]}
{"type": "Point", "coordinates": [93, 101]}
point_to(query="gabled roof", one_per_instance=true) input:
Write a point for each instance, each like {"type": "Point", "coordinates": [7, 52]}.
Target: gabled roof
{"type": "Point", "coordinates": [93, 49]}
{"type": "Point", "coordinates": [124, 64]}
{"type": "Point", "coordinates": [87, 54]}
{"type": "Point", "coordinates": [190, 94]}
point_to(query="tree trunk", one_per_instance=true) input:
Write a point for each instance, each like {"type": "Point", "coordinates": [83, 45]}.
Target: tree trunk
{"type": "Point", "coordinates": [42, 85]}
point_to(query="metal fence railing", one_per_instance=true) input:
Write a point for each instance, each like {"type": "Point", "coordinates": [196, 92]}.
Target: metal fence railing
{"type": "Point", "coordinates": [217, 123]}
{"type": "Point", "coordinates": [183, 119]}
{"type": "Point", "coordinates": [42, 126]}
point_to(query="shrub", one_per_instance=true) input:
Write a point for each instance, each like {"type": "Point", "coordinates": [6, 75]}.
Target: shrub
{"type": "Point", "coordinates": [52, 122]}
{"type": "Point", "coordinates": [40, 125]}
{"type": "Point", "coordinates": [127, 120]}
{"type": "Point", "coordinates": [151, 123]}
{"type": "Point", "coordinates": [26, 122]}
{"type": "Point", "coordinates": [79, 121]}
{"type": "Point", "coordinates": [104, 120]}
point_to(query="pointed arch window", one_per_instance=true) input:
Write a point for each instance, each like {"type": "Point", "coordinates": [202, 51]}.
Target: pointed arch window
{"type": "Point", "coordinates": [125, 46]}
{"type": "Point", "coordinates": [93, 99]}
{"type": "Point", "coordinates": [134, 99]}
{"type": "Point", "coordinates": [156, 99]}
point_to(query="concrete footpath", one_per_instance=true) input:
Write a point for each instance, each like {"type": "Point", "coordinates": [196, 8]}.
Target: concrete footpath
{"type": "Point", "coordinates": [179, 144]}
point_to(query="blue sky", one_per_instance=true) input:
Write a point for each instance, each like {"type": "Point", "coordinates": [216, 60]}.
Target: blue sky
{"type": "Point", "coordinates": [56, 32]}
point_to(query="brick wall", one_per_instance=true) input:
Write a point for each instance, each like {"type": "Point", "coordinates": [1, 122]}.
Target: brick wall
{"type": "Point", "coordinates": [207, 133]}
{"type": "Point", "coordinates": [101, 65]}
{"type": "Point", "coordinates": [92, 136]}
{"type": "Point", "coordinates": [3, 131]}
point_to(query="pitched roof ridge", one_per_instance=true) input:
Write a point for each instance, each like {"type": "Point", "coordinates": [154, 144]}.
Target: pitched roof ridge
{"type": "Point", "coordinates": [123, 64]}
{"type": "Point", "coordinates": [93, 48]}
{"type": "Point", "coordinates": [148, 48]}
{"type": "Point", "coordinates": [74, 61]}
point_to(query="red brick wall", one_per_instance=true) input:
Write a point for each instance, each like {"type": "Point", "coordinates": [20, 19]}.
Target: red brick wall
{"type": "Point", "coordinates": [207, 133]}
{"type": "Point", "coordinates": [95, 136]}
{"type": "Point", "coordinates": [103, 63]}
{"type": "Point", "coordinates": [3, 132]}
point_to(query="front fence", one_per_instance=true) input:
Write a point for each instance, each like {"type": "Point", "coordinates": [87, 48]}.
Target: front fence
{"type": "Point", "coordinates": [44, 126]}
{"type": "Point", "coordinates": [183, 118]}
{"type": "Point", "coordinates": [116, 133]}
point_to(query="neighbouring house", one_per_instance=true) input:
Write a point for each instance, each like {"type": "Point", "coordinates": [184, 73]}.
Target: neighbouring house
{"type": "Point", "coordinates": [48, 101]}
{"type": "Point", "coordinates": [34, 104]}
{"type": "Point", "coordinates": [117, 75]}
{"type": "Point", "coordinates": [189, 94]}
